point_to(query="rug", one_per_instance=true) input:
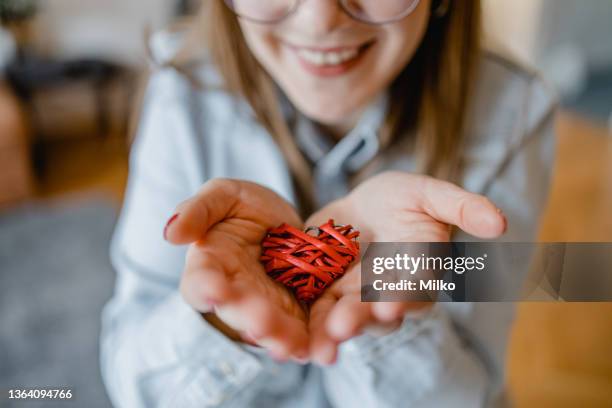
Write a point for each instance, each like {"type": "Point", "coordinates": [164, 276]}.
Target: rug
{"type": "Point", "coordinates": [55, 276]}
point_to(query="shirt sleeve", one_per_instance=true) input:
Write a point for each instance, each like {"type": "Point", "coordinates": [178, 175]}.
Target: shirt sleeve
{"type": "Point", "coordinates": [454, 355]}
{"type": "Point", "coordinates": [155, 349]}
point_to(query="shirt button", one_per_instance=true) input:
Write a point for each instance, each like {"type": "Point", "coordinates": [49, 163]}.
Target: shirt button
{"type": "Point", "coordinates": [215, 400]}
{"type": "Point", "coordinates": [227, 369]}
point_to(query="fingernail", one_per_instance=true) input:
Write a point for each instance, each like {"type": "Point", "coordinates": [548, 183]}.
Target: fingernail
{"type": "Point", "coordinates": [327, 356]}
{"type": "Point", "coordinates": [500, 212]}
{"type": "Point", "coordinates": [170, 221]}
{"type": "Point", "coordinates": [212, 302]}
{"type": "Point", "coordinates": [249, 337]}
{"type": "Point", "coordinates": [302, 354]}
{"type": "Point", "coordinates": [279, 358]}
{"type": "Point", "coordinates": [302, 361]}
{"type": "Point", "coordinates": [253, 335]}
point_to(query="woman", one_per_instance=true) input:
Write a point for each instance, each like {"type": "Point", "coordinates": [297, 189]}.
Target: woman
{"type": "Point", "coordinates": [313, 110]}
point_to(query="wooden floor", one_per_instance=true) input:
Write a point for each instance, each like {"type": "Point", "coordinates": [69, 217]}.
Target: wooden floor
{"type": "Point", "coordinates": [82, 165]}
{"type": "Point", "coordinates": [560, 354]}
{"type": "Point", "coordinates": [581, 198]}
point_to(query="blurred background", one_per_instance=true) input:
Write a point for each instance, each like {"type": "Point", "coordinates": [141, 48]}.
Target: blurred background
{"type": "Point", "coordinates": [69, 78]}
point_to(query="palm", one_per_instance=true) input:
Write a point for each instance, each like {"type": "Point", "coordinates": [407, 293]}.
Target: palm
{"type": "Point", "coordinates": [391, 207]}
{"type": "Point", "coordinates": [387, 208]}
{"type": "Point", "coordinates": [226, 223]}
{"type": "Point", "coordinates": [236, 244]}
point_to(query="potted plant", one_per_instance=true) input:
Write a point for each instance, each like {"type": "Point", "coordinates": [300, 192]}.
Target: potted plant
{"type": "Point", "coordinates": [16, 11]}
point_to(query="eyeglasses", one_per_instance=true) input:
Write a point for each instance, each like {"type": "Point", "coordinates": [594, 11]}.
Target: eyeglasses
{"type": "Point", "coordinates": [366, 11]}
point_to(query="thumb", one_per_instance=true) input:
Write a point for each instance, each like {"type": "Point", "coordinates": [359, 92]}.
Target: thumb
{"type": "Point", "coordinates": [473, 213]}
{"type": "Point", "coordinates": [215, 202]}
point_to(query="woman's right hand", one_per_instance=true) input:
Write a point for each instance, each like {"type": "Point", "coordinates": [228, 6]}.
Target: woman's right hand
{"type": "Point", "coordinates": [224, 223]}
{"type": "Point", "coordinates": [391, 207]}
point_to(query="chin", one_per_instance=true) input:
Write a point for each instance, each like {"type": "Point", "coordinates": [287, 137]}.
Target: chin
{"type": "Point", "coordinates": [324, 117]}
{"type": "Point", "coordinates": [327, 113]}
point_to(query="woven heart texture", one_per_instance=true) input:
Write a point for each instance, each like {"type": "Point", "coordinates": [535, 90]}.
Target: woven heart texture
{"type": "Point", "coordinates": [309, 261]}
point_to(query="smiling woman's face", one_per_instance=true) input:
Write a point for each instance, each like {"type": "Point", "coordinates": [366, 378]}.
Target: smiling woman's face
{"type": "Point", "coordinates": [329, 65]}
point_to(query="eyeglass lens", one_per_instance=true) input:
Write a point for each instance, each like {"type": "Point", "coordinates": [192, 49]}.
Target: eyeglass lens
{"type": "Point", "coordinates": [373, 11]}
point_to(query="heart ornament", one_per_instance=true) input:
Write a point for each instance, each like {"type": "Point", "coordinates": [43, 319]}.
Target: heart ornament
{"type": "Point", "coordinates": [309, 261]}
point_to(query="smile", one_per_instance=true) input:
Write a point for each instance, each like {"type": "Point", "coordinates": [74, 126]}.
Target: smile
{"type": "Point", "coordinates": [321, 58]}
{"type": "Point", "coordinates": [330, 61]}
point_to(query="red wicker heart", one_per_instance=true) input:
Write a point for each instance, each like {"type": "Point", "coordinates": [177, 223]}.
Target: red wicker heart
{"type": "Point", "coordinates": [307, 263]}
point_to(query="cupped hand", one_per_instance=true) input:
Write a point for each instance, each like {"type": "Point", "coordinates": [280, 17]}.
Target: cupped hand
{"type": "Point", "coordinates": [390, 207]}
{"type": "Point", "coordinates": [224, 223]}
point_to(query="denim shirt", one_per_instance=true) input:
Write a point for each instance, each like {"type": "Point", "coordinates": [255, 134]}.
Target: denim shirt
{"type": "Point", "coordinates": [157, 351]}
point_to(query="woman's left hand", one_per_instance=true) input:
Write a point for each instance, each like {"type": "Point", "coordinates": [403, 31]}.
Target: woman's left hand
{"type": "Point", "coordinates": [397, 207]}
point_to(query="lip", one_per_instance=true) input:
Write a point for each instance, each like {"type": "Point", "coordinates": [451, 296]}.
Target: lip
{"type": "Point", "coordinates": [331, 70]}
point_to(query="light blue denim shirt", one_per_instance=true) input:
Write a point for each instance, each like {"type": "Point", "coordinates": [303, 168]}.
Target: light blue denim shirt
{"type": "Point", "coordinates": [157, 351]}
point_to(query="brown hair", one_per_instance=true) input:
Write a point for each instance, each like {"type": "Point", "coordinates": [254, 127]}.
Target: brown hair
{"type": "Point", "coordinates": [428, 98]}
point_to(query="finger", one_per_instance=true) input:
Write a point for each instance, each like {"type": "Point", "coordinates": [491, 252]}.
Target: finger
{"type": "Point", "coordinates": [473, 213]}
{"type": "Point", "coordinates": [387, 311]}
{"type": "Point", "coordinates": [348, 317]}
{"type": "Point", "coordinates": [273, 327]}
{"type": "Point", "coordinates": [323, 349]}
{"type": "Point", "coordinates": [391, 311]}
{"type": "Point", "coordinates": [204, 283]}
{"type": "Point", "coordinates": [238, 307]}
{"type": "Point", "coordinates": [212, 204]}
{"type": "Point", "coordinates": [268, 325]}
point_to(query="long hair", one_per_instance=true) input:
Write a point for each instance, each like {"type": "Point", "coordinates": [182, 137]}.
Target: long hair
{"type": "Point", "coordinates": [428, 99]}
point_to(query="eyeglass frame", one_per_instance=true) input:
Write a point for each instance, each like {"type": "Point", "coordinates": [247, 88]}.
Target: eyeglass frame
{"type": "Point", "coordinates": [341, 4]}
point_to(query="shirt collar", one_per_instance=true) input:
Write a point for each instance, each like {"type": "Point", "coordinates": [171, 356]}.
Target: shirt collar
{"type": "Point", "coordinates": [354, 150]}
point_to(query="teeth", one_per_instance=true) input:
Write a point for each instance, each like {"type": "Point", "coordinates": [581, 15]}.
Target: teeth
{"type": "Point", "coordinates": [333, 58]}
{"type": "Point", "coordinates": [327, 58]}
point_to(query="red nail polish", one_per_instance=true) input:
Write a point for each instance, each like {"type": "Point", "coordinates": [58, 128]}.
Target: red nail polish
{"type": "Point", "coordinates": [247, 337]}
{"type": "Point", "coordinates": [170, 221]}
{"type": "Point", "coordinates": [252, 336]}
{"type": "Point", "coordinates": [212, 302]}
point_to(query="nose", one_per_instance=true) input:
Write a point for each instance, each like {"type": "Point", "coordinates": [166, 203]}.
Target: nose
{"type": "Point", "coordinates": [319, 16]}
